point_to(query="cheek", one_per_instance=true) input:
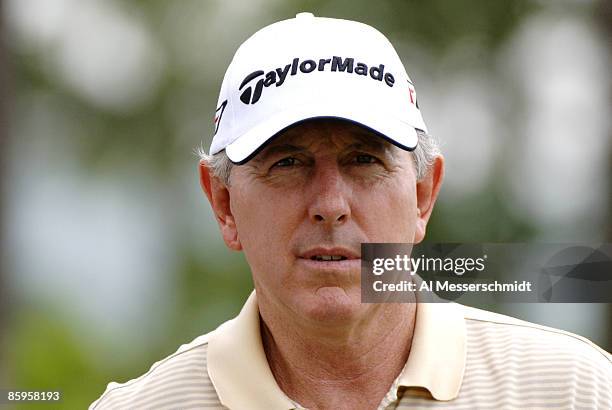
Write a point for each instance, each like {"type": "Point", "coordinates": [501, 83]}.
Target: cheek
{"type": "Point", "coordinates": [264, 226]}
{"type": "Point", "coordinates": [389, 211]}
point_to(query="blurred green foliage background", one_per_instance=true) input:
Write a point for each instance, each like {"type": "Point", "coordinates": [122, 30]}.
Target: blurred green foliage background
{"type": "Point", "coordinates": [111, 257]}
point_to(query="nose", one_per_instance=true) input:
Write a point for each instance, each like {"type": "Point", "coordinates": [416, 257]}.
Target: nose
{"type": "Point", "coordinates": [330, 195]}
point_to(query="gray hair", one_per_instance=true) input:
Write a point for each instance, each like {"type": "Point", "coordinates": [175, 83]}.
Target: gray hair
{"type": "Point", "coordinates": [424, 156]}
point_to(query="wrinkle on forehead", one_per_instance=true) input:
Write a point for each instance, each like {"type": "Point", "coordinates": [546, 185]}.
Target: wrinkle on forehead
{"type": "Point", "coordinates": [336, 132]}
{"type": "Point", "coordinates": [333, 134]}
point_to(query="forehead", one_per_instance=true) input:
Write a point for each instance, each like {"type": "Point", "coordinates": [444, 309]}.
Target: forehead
{"type": "Point", "coordinates": [331, 132]}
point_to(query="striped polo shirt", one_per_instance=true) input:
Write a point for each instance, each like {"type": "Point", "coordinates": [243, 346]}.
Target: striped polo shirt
{"type": "Point", "coordinates": [460, 358]}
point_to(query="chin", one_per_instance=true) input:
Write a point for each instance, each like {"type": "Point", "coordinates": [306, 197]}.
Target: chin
{"type": "Point", "coordinates": [333, 305]}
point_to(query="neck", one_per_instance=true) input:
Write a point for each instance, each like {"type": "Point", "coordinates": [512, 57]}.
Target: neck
{"type": "Point", "coordinates": [325, 368]}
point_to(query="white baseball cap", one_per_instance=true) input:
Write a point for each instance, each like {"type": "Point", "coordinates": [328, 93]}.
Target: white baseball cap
{"type": "Point", "coordinates": [313, 67]}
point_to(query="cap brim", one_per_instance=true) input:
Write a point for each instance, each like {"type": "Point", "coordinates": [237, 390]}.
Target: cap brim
{"type": "Point", "coordinates": [387, 127]}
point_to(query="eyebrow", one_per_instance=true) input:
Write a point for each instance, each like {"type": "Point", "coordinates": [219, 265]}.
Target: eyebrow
{"type": "Point", "coordinates": [365, 141]}
{"type": "Point", "coordinates": [278, 149]}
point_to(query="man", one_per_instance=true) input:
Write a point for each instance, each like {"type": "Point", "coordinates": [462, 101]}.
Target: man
{"type": "Point", "coordinates": [319, 147]}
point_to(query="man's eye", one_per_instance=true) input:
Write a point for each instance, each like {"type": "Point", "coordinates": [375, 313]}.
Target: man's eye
{"type": "Point", "coordinates": [365, 159]}
{"type": "Point", "coordinates": [285, 162]}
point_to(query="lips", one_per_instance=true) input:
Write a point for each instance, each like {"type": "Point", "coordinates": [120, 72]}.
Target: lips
{"type": "Point", "coordinates": [337, 265]}
{"type": "Point", "coordinates": [328, 258]}
{"type": "Point", "coordinates": [335, 254]}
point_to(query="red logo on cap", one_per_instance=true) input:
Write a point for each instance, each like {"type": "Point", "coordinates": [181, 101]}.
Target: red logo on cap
{"type": "Point", "coordinates": [219, 115]}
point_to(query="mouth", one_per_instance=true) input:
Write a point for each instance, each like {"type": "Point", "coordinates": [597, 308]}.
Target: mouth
{"type": "Point", "coordinates": [335, 254]}
{"type": "Point", "coordinates": [334, 259]}
{"type": "Point", "coordinates": [328, 258]}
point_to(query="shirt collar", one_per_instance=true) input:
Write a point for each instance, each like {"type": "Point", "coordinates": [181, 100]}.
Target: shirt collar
{"type": "Point", "coordinates": [239, 370]}
{"type": "Point", "coordinates": [438, 352]}
{"type": "Point", "coordinates": [238, 367]}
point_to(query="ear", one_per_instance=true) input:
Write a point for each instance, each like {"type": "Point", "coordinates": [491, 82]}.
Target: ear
{"type": "Point", "coordinates": [219, 197]}
{"type": "Point", "coordinates": [427, 192]}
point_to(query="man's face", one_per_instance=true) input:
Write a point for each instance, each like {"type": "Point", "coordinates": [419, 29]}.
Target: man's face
{"type": "Point", "coordinates": [319, 191]}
